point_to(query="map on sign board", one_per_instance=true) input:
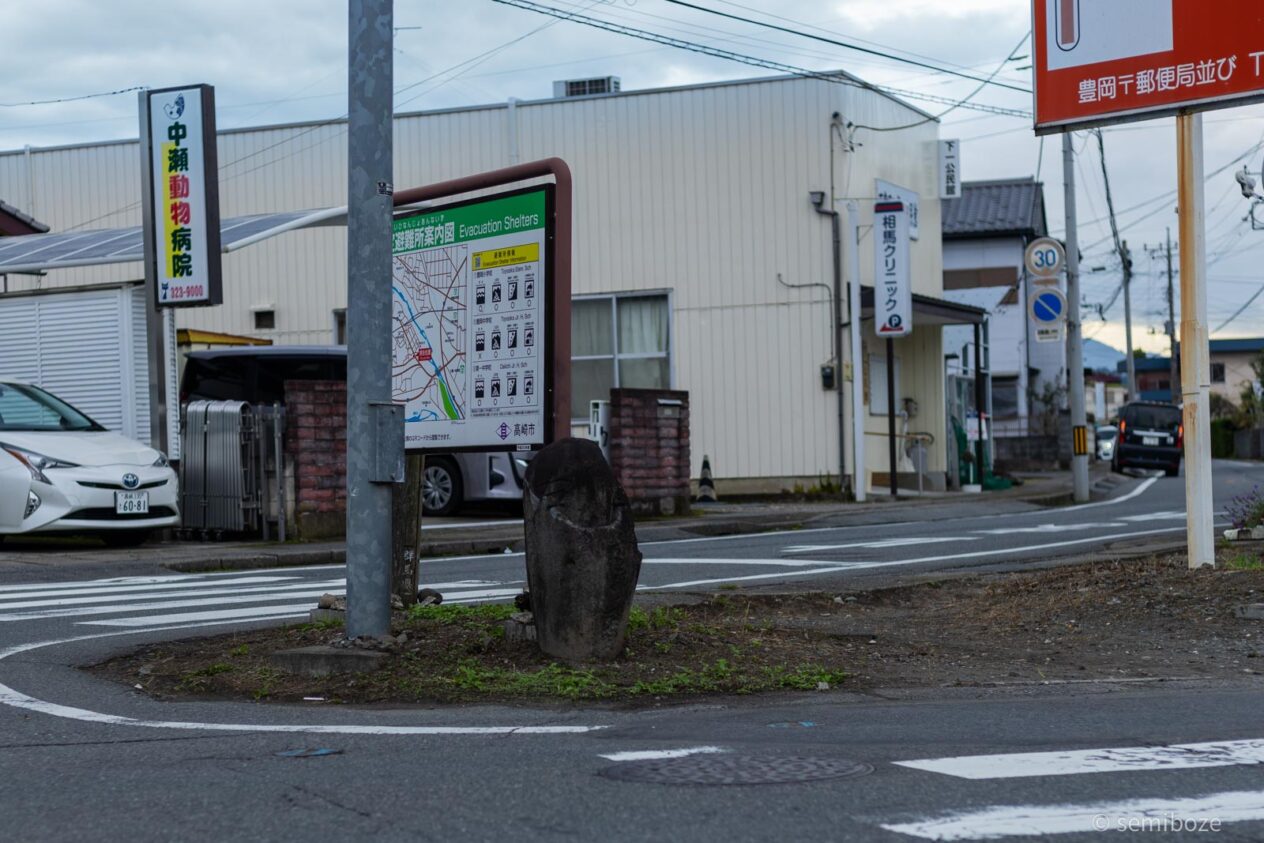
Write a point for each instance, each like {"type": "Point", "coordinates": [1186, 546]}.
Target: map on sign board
{"type": "Point", "coordinates": [468, 289]}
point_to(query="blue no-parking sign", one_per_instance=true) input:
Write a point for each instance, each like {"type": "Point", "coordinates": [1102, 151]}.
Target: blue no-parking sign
{"type": "Point", "coordinates": [1048, 309]}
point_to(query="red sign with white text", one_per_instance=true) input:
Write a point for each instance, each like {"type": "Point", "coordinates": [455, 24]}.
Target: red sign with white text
{"type": "Point", "coordinates": [1102, 61]}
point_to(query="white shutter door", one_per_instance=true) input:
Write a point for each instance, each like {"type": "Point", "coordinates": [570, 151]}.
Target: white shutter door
{"type": "Point", "coordinates": [81, 359]}
{"type": "Point", "coordinates": [19, 339]}
{"type": "Point", "coordinates": [136, 351]}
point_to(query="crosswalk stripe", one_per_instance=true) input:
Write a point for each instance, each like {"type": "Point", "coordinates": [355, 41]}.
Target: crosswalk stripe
{"type": "Point", "coordinates": [256, 613]}
{"type": "Point", "coordinates": [158, 595]}
{"type": "Point", "coordinates": [1109, 760]}
{"type": "Point", "coordinates": [89, 588]}
{"type": "Point", "coordinates": [134, 582]}
{"type": "Point", "coordinates": [1191, 814]}
{"type": "Point", "coordinates": [119, 608]}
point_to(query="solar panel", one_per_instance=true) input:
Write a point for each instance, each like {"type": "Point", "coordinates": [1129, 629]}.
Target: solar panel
{"type": "Point", "coordinates": [42, 252]}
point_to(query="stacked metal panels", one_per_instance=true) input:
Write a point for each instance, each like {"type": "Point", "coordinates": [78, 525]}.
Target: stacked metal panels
{"type": "Point", "coordinates": [219, 472]}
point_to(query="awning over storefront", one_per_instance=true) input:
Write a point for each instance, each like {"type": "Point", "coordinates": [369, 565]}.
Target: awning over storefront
{"type": "Point", "coordinates": [928, 310]}
{"type": "Point", "coordinates": [34, 253]}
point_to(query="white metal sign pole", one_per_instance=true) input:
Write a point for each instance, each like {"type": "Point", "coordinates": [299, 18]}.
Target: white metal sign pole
{"type": "Point", "coordinates": [859, 481]}
{"type": "Point", "coordinates": [1195, 356]}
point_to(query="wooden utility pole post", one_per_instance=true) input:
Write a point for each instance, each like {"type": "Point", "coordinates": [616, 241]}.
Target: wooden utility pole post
{"type": "Point", "coordinates": [406, 531]}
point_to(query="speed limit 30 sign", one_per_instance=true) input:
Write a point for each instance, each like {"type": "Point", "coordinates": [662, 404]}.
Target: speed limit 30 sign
{"type": "Point", "coordinates": [1044, 258]}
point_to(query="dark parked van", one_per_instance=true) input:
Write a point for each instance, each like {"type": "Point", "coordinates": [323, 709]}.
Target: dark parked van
{"type": "Point", "coordinates": [258, 373]}
{"type": "Point", "coordinates": [1151, 435]}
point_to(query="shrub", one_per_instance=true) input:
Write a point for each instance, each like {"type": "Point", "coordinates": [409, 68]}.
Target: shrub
{"type": "Point", "coordinates": [1247, 511]}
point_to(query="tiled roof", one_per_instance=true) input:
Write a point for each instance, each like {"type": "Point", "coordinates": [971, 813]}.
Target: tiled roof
{"type": "Point", "coordinates": [990, 208]}
{"type": "Point", "coordinates": [24, 219]}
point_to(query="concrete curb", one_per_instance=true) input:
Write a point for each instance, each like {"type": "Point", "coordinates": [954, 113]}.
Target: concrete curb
{"type": "Point", "coordinates": [301, 557]}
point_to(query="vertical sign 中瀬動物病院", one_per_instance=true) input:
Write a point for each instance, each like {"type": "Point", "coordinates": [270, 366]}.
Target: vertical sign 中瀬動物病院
{"type": "Point", "coordinates": [471, 351]}
{"type": "Point", "coordinates": [184, 196]}
{"type": "Point", "coordinates": [892, 293]}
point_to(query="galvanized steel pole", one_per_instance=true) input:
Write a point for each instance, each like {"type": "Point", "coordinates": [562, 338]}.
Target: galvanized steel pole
{"type": "Point", "coordinates": [369, 178]}
{"type": "Point", "coordinates": [1195, 355]}
{"type": "Point", "coordinates": [1075, 345]}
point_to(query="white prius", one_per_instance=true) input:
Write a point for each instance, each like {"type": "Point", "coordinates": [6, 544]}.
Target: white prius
{"type": "Point", "coordinates": [60, 471]}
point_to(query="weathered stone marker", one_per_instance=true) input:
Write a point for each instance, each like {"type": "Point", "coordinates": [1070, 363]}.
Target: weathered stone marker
{"type": "Point", "coordinates": [582, 558]}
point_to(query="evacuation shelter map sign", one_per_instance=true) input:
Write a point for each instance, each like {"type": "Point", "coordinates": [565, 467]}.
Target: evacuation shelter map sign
{"type": "Point", "coordinates": [468, 356]}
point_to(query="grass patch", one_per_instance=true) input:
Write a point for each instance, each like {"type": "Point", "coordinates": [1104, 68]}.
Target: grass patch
{"type": "Point", "coordinates": [1244, 562]}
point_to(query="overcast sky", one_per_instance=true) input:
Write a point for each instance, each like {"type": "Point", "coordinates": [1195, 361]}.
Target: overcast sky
{"type": "Point", "coordinates": [284, 60]}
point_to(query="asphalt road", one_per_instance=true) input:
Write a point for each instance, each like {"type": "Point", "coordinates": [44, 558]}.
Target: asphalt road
{"type": "Point", "coordinates": [83, 759]}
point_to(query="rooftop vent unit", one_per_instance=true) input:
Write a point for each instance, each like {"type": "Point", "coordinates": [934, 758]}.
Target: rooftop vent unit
{"type": "Point", "coordinates": [586, 87]}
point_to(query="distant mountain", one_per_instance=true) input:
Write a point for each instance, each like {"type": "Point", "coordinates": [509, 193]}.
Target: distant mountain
{"type": "Point", "coordinates": [1101, 357]}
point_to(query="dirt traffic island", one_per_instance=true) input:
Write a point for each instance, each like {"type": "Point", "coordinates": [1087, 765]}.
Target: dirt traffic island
{"type": "Point", "coordinates": [1139, 619]}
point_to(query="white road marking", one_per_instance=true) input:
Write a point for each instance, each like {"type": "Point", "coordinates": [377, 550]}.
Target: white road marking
{"type": "Point", "coordinates": [16, 699]}
{"type": "Point", "coordinates": [1111, 760]}
{"type": "Point", "coordinates": [1173, 515]}
{"type": "Point", "coordinates": [278, 590]}
{"type": "Point", "coordinates": [1140, 490]}
{"type": "Point", "coordinates": [282, 611]}
{"type": "Point", "coordinates": [505, 523]}
{"type": "Point", "coordinates": [878, 543]}
{"type": "Point", "coordinates": [119, 608]}
{"type": "Point", "coordinates": [18, 592]}
{"type": "Point", "coordinates": [1181, 814]}
{"type": "Point", "coordinates": [1053, 528]}
{"type": "Point", "coordinates": [655, 754]}
{"type": "Point", "coordinates": [779, 574]}
{"type": "Point", "coordinates": [776, 563]}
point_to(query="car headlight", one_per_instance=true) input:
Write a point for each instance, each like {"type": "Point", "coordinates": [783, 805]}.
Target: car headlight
{"type": "Point", "coordinates": [35, 463]}
{"type": "Point", "coordinates": [162, 461]}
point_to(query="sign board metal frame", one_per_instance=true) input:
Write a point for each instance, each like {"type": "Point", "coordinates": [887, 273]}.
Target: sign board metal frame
{"type": "Point", "coordinates": [543, 418]}
{"type": "Point", "coordinates": [1048, 330]}
{"type": "Point", "coordinates": [1109, 61]}
{"type": "Point", "coordinates": [198, 180]}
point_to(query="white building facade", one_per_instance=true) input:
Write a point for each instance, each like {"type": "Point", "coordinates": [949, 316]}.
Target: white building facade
{"type": "Point", "coordinates": [692, 218]}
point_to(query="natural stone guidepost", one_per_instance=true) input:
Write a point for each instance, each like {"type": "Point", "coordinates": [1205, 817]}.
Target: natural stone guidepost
{"type": "Point", "coordinates": [582, 557]}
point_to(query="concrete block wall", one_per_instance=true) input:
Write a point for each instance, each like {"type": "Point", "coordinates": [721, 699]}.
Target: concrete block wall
{"type": "Point", "coordinates": [316, 448]}
{"type": "Point", "coordinates": [649, 448]}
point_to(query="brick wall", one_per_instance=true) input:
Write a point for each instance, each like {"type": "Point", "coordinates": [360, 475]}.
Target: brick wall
{"type": "Point", "coordinates": [316, 450]}
{"type": "Point", "coordinates": [649, 448]}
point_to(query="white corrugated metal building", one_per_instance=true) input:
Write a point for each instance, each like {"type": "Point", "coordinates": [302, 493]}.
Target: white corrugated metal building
{"type": "Point", "coordinates": [691, 203]}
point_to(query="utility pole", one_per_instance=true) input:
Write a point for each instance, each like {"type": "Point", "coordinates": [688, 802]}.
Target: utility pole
{"type": "Point", "coordinates": [375, 430]}
{"type": "Point", "coordinates": [1126, 258]}
{"type": "Point", "coordinates": [1075, 346]}
{"type": "Point", "coordinates": [1173, 378]}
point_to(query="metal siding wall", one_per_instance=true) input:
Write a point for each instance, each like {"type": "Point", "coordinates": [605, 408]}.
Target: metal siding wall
{"type": "Point", "coordinates": [702, 191]}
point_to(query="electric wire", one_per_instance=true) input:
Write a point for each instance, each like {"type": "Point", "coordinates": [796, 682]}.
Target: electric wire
{"type": "Point", "coordinates": [716, 52]}
{"type": "Point", "coordinates": [989, 80]}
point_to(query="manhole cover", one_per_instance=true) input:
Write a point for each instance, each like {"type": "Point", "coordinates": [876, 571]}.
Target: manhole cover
{"type": "Point", "coordinates": [735, 770]}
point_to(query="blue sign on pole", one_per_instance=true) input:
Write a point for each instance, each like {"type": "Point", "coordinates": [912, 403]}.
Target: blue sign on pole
{"type": "Point", "coordinates": [1048, 312]}
{"type": "Point", "coordinates": [1048, 306]}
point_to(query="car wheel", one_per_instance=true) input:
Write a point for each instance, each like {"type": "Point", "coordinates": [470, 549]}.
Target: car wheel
{"type": "Point", "coordinates": [1173, 471]}
{"type": "Point", "coordinates": [125, 538]}
{"type": "Point", "coordinates": [1116, 466]}
{"type": "Point", "coordinates": [442, 491]}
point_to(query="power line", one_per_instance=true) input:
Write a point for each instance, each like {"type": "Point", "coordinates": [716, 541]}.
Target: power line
{"type": "Point", "coordinates": [957, 104]}
{"type": "Point", "coordinates": [715, 52]}
{"type": "Point", "coordinates": [1239, 311]}
{"type": "Point", "coordinates": [76, 98]}
{"type": "Point", "coordinates": [927, 65]}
